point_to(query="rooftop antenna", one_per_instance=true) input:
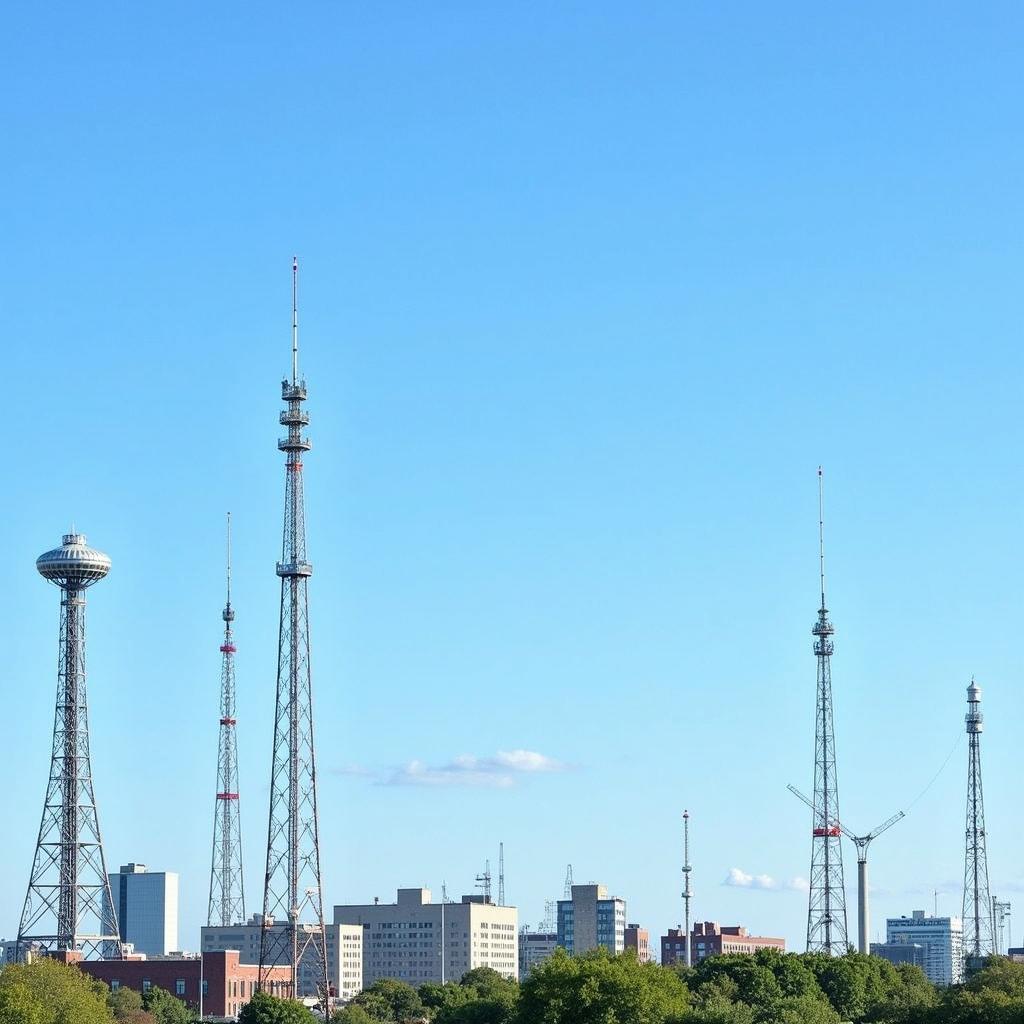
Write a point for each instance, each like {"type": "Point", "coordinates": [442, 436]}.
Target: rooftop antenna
{"type": "Point", "coordinates": [687, 892]}
{"type": "Point", "coordinates": [295, 319]}
{"type": "Point", "coordinates": [501, 874]}
{"type": "Point", "coordinates": [568, 882]}
{"type": "Point", "coordinates": [483, 882]}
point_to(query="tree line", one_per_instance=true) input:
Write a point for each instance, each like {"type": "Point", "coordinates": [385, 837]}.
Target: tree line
{"type": "Point", "coordinates": [766, 987]}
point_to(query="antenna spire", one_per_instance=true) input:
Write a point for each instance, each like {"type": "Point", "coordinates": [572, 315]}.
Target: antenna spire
{"type": "Point", "coordinates": [229, 561]}
{"type": "Point", "coordinates": [821, 533]}
{"type": "Point", "coordinates": [295, 319]}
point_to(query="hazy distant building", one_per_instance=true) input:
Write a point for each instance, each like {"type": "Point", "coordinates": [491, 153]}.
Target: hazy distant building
{"type": "Point", "coordinates": [590, 919]}
{"type": "Point", "coordinates": [416, 940]}
{"type": "Point", "coordinates": [344, 954]}
{"type": "Point", "coordinates": [712, 939]}
{"type": "Point", "coordinates": [900, 952]}
{"type": "Point", "coordinates": [146, 904]}
{"type": "Point", "coordinates": [942, 939]}
{"type": "Point", "coordinates": [534, 947]}
{"type": "Point", "coordinates": [639, 940]}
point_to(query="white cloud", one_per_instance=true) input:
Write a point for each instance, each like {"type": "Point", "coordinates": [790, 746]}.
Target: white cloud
{"type": "Point", "coordinates": [499, 770]}
{"type": "Point", "coordinates": [740, 879]}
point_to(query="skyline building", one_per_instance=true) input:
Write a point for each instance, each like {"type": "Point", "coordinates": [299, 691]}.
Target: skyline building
{"type": "Point", "coordinates": [941, 938]}
{"type": "Point", "coordinates": [709, 938]}
{"type": "Point", "coordinates": [534, 948]}
{"type": "Point", "coordinates": [147, 908]}
{"type": "Point", "coordinates": [416, 940]}
{"type": "Point", "coordinates": [293, 931]}
{"type": "Point", "coordinates": [591, 918]}
{"type": "Point", "coordinates": [68, 905]}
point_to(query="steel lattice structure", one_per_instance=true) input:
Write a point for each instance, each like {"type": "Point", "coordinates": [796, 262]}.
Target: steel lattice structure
{"type": "Point", "coordinates": [293, 931]}
{"type": "Point", "coordinates": [68, 905]}
{"type": "Point", "coordinates": [227, 887]}
{"type": "Point", "coordinates": [826, 912]}
{"type": "Point", "coordinates": [979, 935]}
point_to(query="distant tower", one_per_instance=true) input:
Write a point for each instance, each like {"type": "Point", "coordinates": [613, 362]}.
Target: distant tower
{"type": "Point", "coordinates": [979, 940]}
{"type": "Point", "coordinates": [568, 882]}
{"type": "Point", "coordinates": [227, 891]}
{"type": "Point", "coordinates": [293, 894]}
{"type": "Point", "coordinates": [501, 874]}
{"type": "Point", "coordinates": [826, 913]}
{"type": "Point", "coordinates": [68, 904]}
{"type": "Point", "coordinates": [687, 892]}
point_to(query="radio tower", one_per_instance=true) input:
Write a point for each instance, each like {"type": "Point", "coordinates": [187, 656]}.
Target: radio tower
{"type": "Point", "coordinates": [501, 874]}
{"type": "Point", "coordinates": [826, 912]}
{"type": "Point", "coordinates": [227, 891]}
{"type": "Point", "coordinates": [68, 904]}
{"type": "Point", "coordinates": [292, 932]}
{"type": "Point", "coordinates": [979, 940]}
{"type": "Point", "coordinates": [687, 892]}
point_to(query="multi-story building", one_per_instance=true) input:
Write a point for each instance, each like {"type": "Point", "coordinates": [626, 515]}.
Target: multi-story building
{"type": "Point", "coordinates": [417, 940]}
{"type": "Point", "coordinates": [639, 940]}
{"type": "Point", "coordinates": [146, 904]}
{"type": "Point", "coordinates": [533, 948]}
{"type": "Point", "coordinates": [217, 983]}
{"type": "Point", "coordinates": [344, 974]}
{"type": "Point", "coordinates": [712, 939]}
{"type": "Point", "coordinates": [900, 952]}
{"type": "Point", "coordinates": [942, 939]}
{"type": "Point", "coordinates": [591, 919]}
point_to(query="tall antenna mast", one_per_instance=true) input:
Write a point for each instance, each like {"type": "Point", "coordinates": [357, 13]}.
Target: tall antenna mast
{"type": "Point", "coordinates": [979, 937]}
{"type": "Point", "coordinates": [501, 874]}
{"type": "Point", "coordinates": [687, 892]}
{"type": "Point", "coordinates": [826, 910]}
{"type": "Point", "coordinates": [68, 905]}
{"type": "Point", "coordinates": [568, 882]}
{"type": "Point", "coordinates": [484, 881]}
{"type": "Point", "coordinates": [226, 905]}
{"type": "Point", "coordinates": [295, 320]}
{"type": "Point", "coordinates": [293, 932]}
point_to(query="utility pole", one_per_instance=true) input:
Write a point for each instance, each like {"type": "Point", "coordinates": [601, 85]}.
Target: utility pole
{"type": "Point", "coordinates": [687, 892]}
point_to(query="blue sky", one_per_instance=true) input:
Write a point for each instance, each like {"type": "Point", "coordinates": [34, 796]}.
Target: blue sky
{"type": "Point", "coordinates": [588, 292]}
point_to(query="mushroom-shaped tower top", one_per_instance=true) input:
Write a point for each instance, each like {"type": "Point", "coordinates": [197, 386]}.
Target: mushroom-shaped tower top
{"type": "Point", "coordinates": [74, 565]}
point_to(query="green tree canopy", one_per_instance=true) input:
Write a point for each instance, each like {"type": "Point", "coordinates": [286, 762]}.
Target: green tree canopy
{"type": "Point", "coordinates": [56, 993]}
{"type": "Point", "coordinates": [597, 988]}
{"type": "Point", "coordinates": [391, 1002]}
{"type": "Point", "coordinates": [165, 1008]}
{"type": "Point", "coordinates": [268, 1009]}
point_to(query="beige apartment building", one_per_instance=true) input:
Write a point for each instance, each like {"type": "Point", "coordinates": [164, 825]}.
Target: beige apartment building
{"type": "Point", "coordinates": [416, 940]}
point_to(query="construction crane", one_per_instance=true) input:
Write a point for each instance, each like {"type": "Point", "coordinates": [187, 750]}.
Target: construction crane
{"type": "Point", "coordinates": [862, 843]}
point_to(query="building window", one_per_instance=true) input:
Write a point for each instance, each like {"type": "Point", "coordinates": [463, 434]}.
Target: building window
{"type": "Point", "coordinates": [146, 984]}
{"type": "Point", "coordinates": [115, 984]}
{"type": "Point", "coordinates": [206, 986]}
{"type": "Point", "coordinates": [179, 987]}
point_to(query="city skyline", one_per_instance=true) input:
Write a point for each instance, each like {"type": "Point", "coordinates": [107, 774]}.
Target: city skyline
{"type": "Point", "coordinates": [576, 366]}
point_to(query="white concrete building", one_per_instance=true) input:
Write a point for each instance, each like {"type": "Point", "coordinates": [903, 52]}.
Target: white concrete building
{"type": "Point", "coordinates": [941, 938]}
{"type": "Point", "coordinates": [344, 974]}
{"type": "Point", "coordinates": [416, 940]}
{"type": "Point", "coordinates": [146, 904]}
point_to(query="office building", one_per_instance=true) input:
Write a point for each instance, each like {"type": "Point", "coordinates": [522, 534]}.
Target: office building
{"type": "Point", "coordinates": [417, 940]}
{"type": "Point", "coordinates": [639, 940]}
{"type": "Point", "coordinates": [590, 919]}
{"type": "Point", "coordinates": [900, 952]}
{"type": "Point", "coordinates": [942, 939]}
{"type": "Point", "coordinates": [534, 947]}
{"type": "Point", "coordinates": [712, 939]}
{"type": "Point", "coordinates": [146, 903]}
{"type": "Point", "coordinates": [344, 974]}
{"type": "Point", "coordinates": [223, 983]}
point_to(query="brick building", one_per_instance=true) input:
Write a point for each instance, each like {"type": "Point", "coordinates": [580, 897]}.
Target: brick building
{"type": "Point", "coordinates": [226, 984]}
{"type": "Point", "coordinates": [712, 939]}
{"type": "Point", "coordinates": [639, 940]}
